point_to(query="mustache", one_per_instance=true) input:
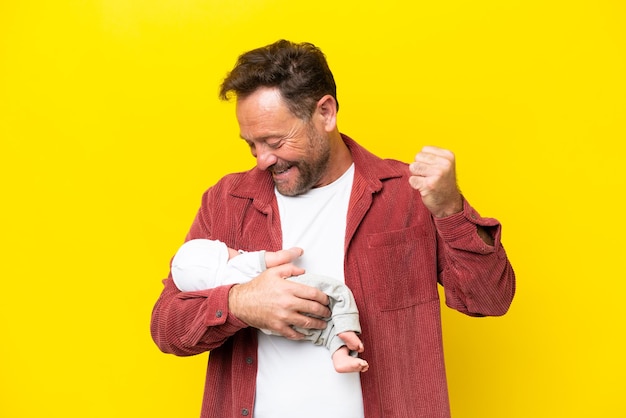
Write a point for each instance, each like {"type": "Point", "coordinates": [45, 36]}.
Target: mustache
{"type": "Point", "coordinates": [280, 166]}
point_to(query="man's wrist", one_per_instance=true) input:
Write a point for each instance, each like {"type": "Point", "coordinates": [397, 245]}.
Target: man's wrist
{"type": "Point", "coordinates": [457, 207]}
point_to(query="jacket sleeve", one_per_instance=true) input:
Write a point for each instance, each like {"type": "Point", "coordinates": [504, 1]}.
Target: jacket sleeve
{"type": "Point", "coordinates": [478, 278]}
{"type": "Point", "coordinates": [188, 323]}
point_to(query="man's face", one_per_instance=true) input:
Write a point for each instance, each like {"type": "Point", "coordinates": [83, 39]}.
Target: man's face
{"type": "Point", "coordinates": [295, 152]}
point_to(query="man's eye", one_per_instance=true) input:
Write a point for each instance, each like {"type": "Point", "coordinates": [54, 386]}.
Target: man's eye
{"type": "Point", "coordinates": [274, 145]}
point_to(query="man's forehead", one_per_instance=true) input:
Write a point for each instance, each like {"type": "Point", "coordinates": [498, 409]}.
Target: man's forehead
{"type": "Point", "coordinates": [264, 100]}
{"type": "Point", "coordinates": [263, 115]}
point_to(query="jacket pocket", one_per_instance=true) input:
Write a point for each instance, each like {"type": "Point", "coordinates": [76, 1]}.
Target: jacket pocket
{"type": "Point", "coordinates": [401, 268]}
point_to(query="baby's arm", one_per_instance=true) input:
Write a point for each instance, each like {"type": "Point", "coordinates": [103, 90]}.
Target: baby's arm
{"type": "Point", "coordinates": [232, 253]}
{"type": "Point", "coordinates": [203, 264]}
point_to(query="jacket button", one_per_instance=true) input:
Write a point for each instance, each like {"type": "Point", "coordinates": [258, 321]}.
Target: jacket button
{"type": "Point", "coordinates": [218, 314]}
{"type": "Point", "coordinates": [245, 412]}
{"type": "Point", "coordinates": [249, 360]}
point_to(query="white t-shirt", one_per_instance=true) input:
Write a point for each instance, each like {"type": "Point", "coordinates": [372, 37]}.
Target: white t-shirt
{"type": "Point", "coordinates": [297, 378]}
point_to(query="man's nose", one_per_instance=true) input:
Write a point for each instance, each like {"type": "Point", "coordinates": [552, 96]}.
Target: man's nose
{"type": "Point", "coordinates": [265, 158]}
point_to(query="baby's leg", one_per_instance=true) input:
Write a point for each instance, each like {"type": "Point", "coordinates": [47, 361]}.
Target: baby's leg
{"type": "Point", "coordinates": [345, 363]}
{"type": "Point", "coordinates": [277, 258]}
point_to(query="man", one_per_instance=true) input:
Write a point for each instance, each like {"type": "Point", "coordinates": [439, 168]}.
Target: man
{"type": "Point", "coordinates": [391, 231]}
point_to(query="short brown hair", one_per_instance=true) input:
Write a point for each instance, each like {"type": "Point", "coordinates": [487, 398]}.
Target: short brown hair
{"type": "Point", "coordinates": [298, 70]}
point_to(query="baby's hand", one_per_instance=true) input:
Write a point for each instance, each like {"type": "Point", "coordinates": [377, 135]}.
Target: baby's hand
{"type": "Point", "coordinates": [277, 258]}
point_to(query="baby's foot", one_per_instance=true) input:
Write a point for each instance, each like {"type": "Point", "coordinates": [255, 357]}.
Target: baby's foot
{"type": "Point", "coordinates": [352, 341]}
{"type": "Point", "coordinates": [345, 363]}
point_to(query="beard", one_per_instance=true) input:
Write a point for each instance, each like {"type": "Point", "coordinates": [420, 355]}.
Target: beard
{"type": "Point", "coordinates": [310, 170]}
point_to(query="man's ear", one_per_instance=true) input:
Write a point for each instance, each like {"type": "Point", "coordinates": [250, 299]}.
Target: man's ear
{"type": "Point", "coordinates": [327, 110]}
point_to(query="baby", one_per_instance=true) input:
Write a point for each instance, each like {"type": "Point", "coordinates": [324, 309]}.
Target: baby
{"type": "Point", "coordinates": [203, 264]}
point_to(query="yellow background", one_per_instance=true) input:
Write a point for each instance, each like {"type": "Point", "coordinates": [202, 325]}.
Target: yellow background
{"type": "Point", "coordinates": [111, 129]}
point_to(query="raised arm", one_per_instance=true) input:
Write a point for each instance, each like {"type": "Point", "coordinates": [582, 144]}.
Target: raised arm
{"type": "Point", "coordinates": [478, 278]}
{"type": "Point", "coordinates": [476, 274]}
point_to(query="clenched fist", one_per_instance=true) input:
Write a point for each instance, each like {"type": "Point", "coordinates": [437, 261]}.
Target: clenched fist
{"type": "Point", "coordinates": [433, 174]}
